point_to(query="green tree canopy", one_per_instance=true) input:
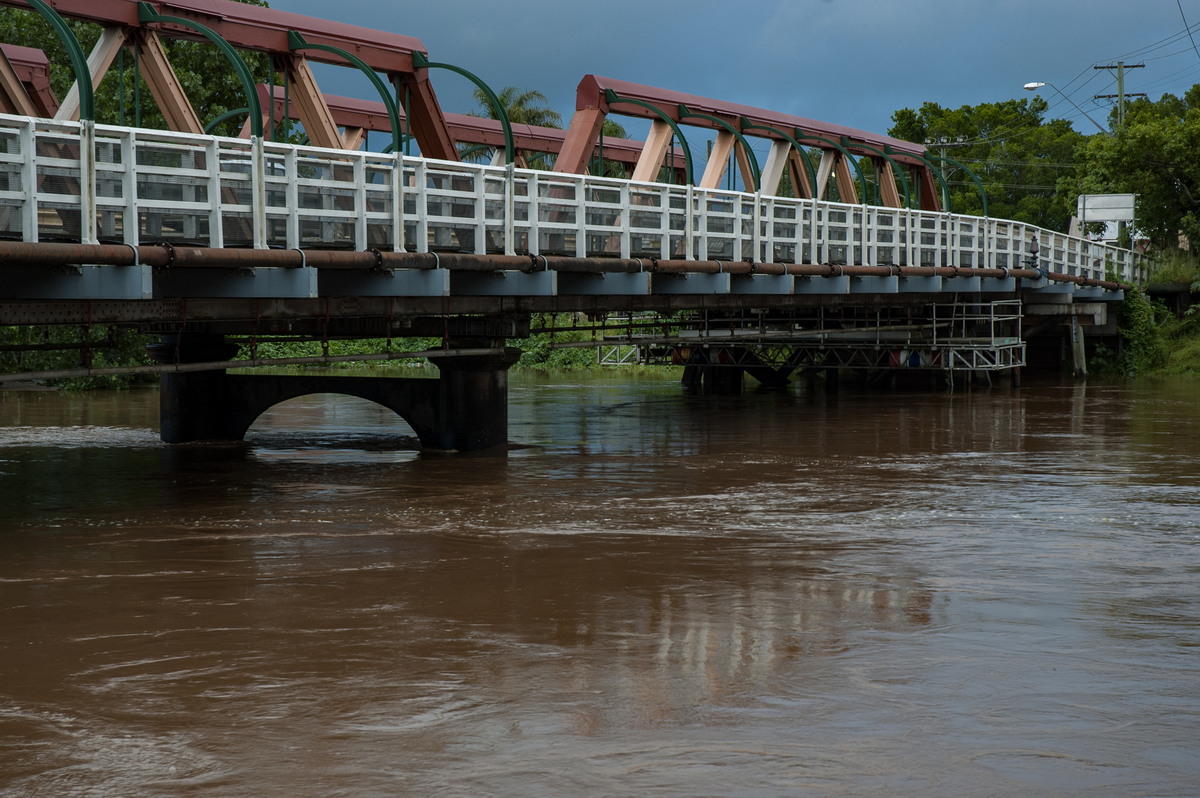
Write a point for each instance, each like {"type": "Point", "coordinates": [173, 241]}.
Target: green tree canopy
{"type": "Point", "coordinates": [1156, 155]}
{"type": "Point", "coordinates": [1017, 154]}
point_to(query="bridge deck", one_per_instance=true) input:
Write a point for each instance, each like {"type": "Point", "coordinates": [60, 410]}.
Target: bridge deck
{"type": "Point", "coordinates": [78, 182]}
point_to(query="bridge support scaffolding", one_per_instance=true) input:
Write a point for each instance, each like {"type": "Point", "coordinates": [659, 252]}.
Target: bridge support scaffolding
{"type": "Point", "coordinates": [464, 409]}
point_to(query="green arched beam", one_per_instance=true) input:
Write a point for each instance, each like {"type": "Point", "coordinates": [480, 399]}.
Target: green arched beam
{"type": "Point", "coordinates": [941, 179]}
{"type": "Point", "coordinates": [296, 41]}
{"type": "Point", "coordinates": [404, 138]}
{"type": "Point", "coordinates": [472, 150]}
{"type": "Point", "coordinates": [803, 153]}
{"type": "Point", "coordinates": [612, 98]}
{"type": "Point", "coordinates": [146, 13]}
{"type": "Point", "coordinates": [79, 65]}
{"type": "Point", "coordinates": [862, 178]}
{"type": "Point", "coordinates": [510, 148]}
{"type": "Point", "coordinates": [755, 173]}
{"type": "Point", "coordinates": [899, 171]}
{"type": "Point", "coordinates": [225, 117]}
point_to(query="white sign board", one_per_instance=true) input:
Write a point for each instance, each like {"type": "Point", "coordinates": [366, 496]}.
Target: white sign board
{"type": "Point", "coordinates": [1106, 207]}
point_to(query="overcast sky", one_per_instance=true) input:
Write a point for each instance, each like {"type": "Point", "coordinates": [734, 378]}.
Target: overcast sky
{"type": "Point", "coordinates": [851, 62]}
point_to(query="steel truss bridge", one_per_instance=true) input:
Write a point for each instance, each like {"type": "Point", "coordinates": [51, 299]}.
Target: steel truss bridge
{"type": "Point", "coordinates": [862, 265]}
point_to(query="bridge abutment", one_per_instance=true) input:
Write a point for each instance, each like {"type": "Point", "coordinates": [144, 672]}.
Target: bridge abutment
{"type": "Point", "coordinates": [464, 409]}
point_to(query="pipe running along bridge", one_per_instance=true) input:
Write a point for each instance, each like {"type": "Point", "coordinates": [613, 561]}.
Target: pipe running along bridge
{"type": "Point", "coordinates": [836, 251]}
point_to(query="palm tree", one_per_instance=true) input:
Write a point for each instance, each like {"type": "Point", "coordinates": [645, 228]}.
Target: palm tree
{"type": "Point", "coordinates": [523, 107]}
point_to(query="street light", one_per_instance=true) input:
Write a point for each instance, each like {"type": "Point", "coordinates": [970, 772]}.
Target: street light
{"type": "Point", "coordinates": [1036, 86]}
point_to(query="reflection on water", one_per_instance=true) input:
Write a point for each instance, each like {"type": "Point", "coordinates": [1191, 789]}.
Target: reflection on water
{"type": "Point", "coordinates": [987, 593]}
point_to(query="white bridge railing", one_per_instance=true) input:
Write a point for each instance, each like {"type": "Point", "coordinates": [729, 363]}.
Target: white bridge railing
{"type": "Point", "coordinates": [79, 182]}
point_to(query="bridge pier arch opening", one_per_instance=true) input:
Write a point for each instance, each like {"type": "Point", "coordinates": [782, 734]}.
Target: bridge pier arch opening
{"type": "Point", "coordinates": [464, 409]}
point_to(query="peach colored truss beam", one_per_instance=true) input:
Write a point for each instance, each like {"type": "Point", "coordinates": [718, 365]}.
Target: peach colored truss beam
{"type": "Point", "coordinates": [714, 170]}
{"type": "Point", "coordinates": [798, 169]}
{"type": "Point", "coordinates": [353, 138]}
{"type": "Point", "coordinates": [889, 191]}
{"type": "Point", "coordinates": [99, 61]}
{"type": "Point", "coordinates": [847, 190]}
{"type": "Point", "coordinates": [164, 85]}
{"type": "Point", "coordinates": [650, 161]}
{"type": "Point", "coordinates": [310, 105]}
{"type": "Point", "coordinates": [776, 165]}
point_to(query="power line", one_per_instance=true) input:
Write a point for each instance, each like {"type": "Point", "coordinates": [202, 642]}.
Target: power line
{"type": "Point", "coordinates": [1174, 78]}
{"type": "Point", "coordinates": [1037, 164]}
{"type": "Point", "coordinates": [1158, 45]}
{"type": "Point", "coordinates": [1189, 30]}
{"type": "Point", "coordinates": [1015, 186]}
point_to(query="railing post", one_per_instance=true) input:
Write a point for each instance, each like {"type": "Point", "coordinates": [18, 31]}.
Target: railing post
{"type": "Point", "coordinates": [580, 219]}
{"type": "Point", "coordinates": [689, 224]}
{"type": "Point", "coordinates": [665, 223]}
{"type": "Point", "coordinates": [701, 196]}
{"type": "Point", "coordinates": [87, 182]}
{"type": "Point", "coordinates": [953, 231]}
{"type": "Point", "coordinates": [29, 215]}
{"type": "Point", "coordinates": [532, 192]}
{"type": "Point", "coordinates": [510, 207]}
{"type": "Point", "coordinates": [626, 246]}
{"type": "Point", "coordinates": [866, 255]}
{"type": "Point", "coordinates": [422, 202]}
{"type": "Point", "coordinates": [360, 200]}
{"type": "Point", "coordinates": [216, 229]}
{"type": "Point", "coordinates": [987, 250]}
{"type": "Point", "coordinates": [258, 192]}
{"type": "Point", "coordinates": [756, 231]}
{"type": "Point", "coordinates": [131, 234]}
{"type": "Point", "coordinates": [911, 232]}
{"type": "Point", "coordinates": [871, 235]}
{"type": "Point", "coordinates": [293, 199]}
{"type": "Point", "coordinates": [481, 210]}
{"type": "Point", "coordinates": [399, 240]}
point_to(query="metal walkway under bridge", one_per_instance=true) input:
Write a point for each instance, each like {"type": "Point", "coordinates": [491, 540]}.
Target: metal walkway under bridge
{"type": "Point", "coordinates": [840, 251]}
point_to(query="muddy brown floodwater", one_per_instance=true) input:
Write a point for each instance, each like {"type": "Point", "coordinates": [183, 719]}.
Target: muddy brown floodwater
{"type": "Point", "coordinates": [986, 593]}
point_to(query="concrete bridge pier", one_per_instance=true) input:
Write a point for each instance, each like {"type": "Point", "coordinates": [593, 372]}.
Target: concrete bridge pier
{"type": "Point", "coordinates": [191, 403]}
{"type": "Point", "coordinates": [472, 402]}
{"type": "Point", "coordinates": [464, 409]}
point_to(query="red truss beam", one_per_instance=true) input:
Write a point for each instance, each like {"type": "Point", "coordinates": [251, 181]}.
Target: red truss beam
{"type": "Point", "coordinates": [265, 30]}
{"type": "Point", "coordinates": [591, 93]}
{"type": "Point", "coordinates": [592, 105]}
{"type": "Point", "coordinates": [350, 112]}
{"type": "Point", "coordinates": [32, 69]}
{"type": "Point", "coordinates": [250, 27]}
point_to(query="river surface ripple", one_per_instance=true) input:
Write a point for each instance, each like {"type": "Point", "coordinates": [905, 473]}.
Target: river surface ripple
{"type": "Point", "coordinates": [987, 593]}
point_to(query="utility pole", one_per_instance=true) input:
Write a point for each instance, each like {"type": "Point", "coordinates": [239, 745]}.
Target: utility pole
{"type": "Point", "coordinates": [943, 143]}
{"type": "Point", "coordinates": [1120, 95]}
